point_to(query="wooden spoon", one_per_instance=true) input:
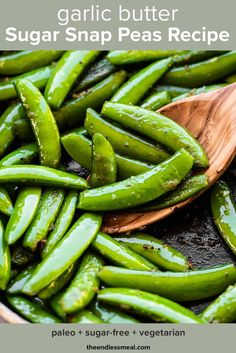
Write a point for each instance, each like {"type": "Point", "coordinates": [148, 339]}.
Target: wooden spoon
{"type": "Point", "coordinates": [7, 315]}
{"type": "Point", "coordinates": [211, 118]}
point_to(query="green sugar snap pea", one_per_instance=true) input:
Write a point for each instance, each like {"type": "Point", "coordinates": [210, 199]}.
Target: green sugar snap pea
{"type": "Point", "coordinates": [223, 308]}
{"type": "Point", "coordinates": [68, 69]}
{"type": "Point", "coordinates": [73, 112]}
{"type": "Point", "coordinates": [38, 77]}
{"type": "Point", "coordinates": [111, 315]}
{"type": "Point", "coordinates": [139, 84]}
{"type": "Point", "coordinates": [23, 129]}
{"type": "Point", "coordinates": [193, 56]}
{"type": "Point", "coordinates": [5, 260]}
{"type": "Point", "coordinates": [186, 189]}
{"type": "Point", "coordinates": [157, 127]}
{"type": "Point", "coordinates": [47, 212]}
{"type": "Point", "coordinates": [104, 168]}
{"type": "Point", "coordinates": [149, 305]}
{"type": "Point", "coordinates": [31, 311]}
{"type": "Point", "coordinates": [39, 175]}
{"type": "Point", "coordinates": [79, 147]}
{"type": "Point", "coordinates": [65, 253]}
{"type": "Point", "coordinates": [155, 251]}
{"type": "Point", "coordinates": [42, 121]}
{"type": "Point", "coordinates": [22, 155]}
{"type": "Point", "coordinates": [196, 91]}
{"type": "Point", "coordinates": [6, 206]}
{"type": "Point", "coordinates": [173, 91]}
{"type": "Point", "coordinates": [7, 136]}
{"type": "Point", "coordinates": [141, 188]}
{"type": "Point", "coordinates": [55, 286]}
{"type": "Point", "coordinates": [124, 142]}
{"type": "Point", "coordinates": [85, 317]}
{"type": "Point", "coordinates": [27, 60]}
{"type": "Point", "coordinates": [231, 78]}
{"type": "Point", "coordinates": [83, 287]}
{"type": "Point", "coordinates": [224, 213]}
{"type": "Point", "coordinates": [62, 223]}
{"type": "Point", "coordinates": [202, 73]}
{"type": "Point", "coordinates": [156, 100]}
{"type": "Point", "coordinates": [178, 286]}
{"type": "Point", "coordinates": [23, 213]}
{"type": "Point", "coordinates": [122, 57]}
{"type": "Point", "coordinates": [120, 254]}
{"type": "Point", "coordinates": [16, 285]}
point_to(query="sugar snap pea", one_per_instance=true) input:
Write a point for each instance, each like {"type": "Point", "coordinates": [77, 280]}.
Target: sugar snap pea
{"type": "Point", "coordinates": [68, 69]}
{"type": "Point", "coordinates": [5, 260]}
{"type": "Point", "coordinates": [104, 168]}
{"type": "Point", "coordinates": [122, 57]}
{"type": "Point", "coordinates": [83, 287]}
{"type": "Point", "coordinates": [157, 127]}
{"type": "Point", "coordinates": [47, 212]}
{"type": "Point", "coordinates": [23, 213]}
{"type": "Point", "coordinates": [79, 147]}
{"type": "Point", "coordinates": [149, 305]}
{"type": "Point", "coordinates": [156, 100]}
{"type": "Point", "coordinates": [22, 155]}
{"type": "Point", "coordinates": [84, 317]}
{"type": "Point", "coordinates": [231, 79]}
{"type": "Point", "coordinates": [120, 254]}
{"type": "Point", "coordinates": [27, 60]}
{"type": "Point", "coordinates": [17, 283]}
{"type": "Point", "coordinates": [42, 122]}
{"type": "Point", "coordinates": [141, 188]}
{"type": "Point", "coordinates": [31, 311]}
{"type": "Point", "coordinates": [173, 91]}
{"type": "Point", "coordinates": [23, 129]}
{"type": "Point", "coordinates": [202, 73]}
{"type": "Point", "coordinates": [55, 286]}
{"type": "Point", "coordinates": [178, 286]}
{"type": "Point", "coordinates": [223, 209]}
{"type": "Point", "coordinates": [65, 253]}
{"type": "Point", "coordinates": [96, 73]}
{"type": "Point", "coordinates": [111, 315]}
{"type": "Point", "coordinates": [124, 142]}
{"type": "Point", "coordinates": [155, 251]}
{"type": "Point", "coordinates": [73, 112]}
{"type": "Point", "coordinates": [62, 223]}
{"type": "Point", "coordinates": [223, 308]}
{"type": "Point", "coordinates": [186, 189]}
{"type": "Point", "coordinates": [196, 91]}
{"type": "Point", "coordinates": [7, 136]}
{"type": "Point", "coordinates": [194, 56]}
{"type": "Point", "coordinates": [128, 167]}
{"type": "Point", "coordinates": [6, 206]}
{"type": "Point", "coordinates": [38, 77]}
{"type": "Point", "coordinates": [39, 175]}
{"type": "Point", "coordinates": [138, 85]}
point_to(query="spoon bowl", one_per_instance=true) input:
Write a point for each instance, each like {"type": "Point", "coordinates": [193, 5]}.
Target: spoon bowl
{"type": "Point", "coordinates": [211, 118]}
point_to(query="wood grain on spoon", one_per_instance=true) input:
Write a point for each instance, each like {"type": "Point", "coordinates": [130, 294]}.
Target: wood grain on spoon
{"type": "Point", "coordinates": [211, 118]}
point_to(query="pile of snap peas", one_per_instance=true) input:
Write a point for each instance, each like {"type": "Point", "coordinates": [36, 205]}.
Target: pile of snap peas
{"type": "Point", "coordinates": [99, 109]}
